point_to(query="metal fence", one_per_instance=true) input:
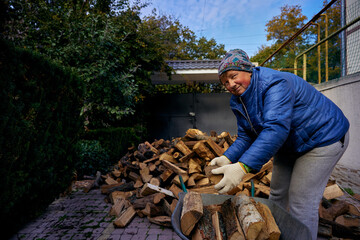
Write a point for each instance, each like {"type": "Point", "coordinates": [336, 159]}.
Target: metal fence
{"type": "Point", "coordinates": [335, 52]}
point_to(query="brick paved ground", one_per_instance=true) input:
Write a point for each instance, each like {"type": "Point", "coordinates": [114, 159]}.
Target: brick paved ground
{"type": "Point", "coordinates": [85, 216]}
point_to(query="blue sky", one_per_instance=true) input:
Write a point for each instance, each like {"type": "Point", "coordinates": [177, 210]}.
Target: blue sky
{"type": "Point", "coordinates": [234, 23]}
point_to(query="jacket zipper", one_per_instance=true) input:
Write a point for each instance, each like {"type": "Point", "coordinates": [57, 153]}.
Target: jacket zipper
{"type": "Point", "coordinates": [247, 117]}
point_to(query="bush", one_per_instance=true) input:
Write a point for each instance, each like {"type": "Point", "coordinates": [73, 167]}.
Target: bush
{"type": "Point", "coordinates": [39, 125]}
{"type": "Point", "coordinates": [117, 140]}
{"type": "Point", "coordinates": [92, 157]}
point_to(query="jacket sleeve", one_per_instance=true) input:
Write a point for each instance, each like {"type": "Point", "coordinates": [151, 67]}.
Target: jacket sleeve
{"type": "Point", "coordinates": [277, 113]}
{"type": "Point", "coordinates": [241, 144]}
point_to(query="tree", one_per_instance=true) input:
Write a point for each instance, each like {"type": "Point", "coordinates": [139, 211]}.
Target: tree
{"type": "Point", "coordinates": [280, 28]}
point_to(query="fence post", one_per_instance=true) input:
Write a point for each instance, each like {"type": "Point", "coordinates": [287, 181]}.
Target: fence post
{"type": "Point", "coordinates": [304, 67]}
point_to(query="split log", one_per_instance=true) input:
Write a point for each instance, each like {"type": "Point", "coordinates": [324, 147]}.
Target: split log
{"type": "Point", "coordinates": [110, 181]}
{"type": "Point", "coordinates": [227, 137]}
{"type": "Point", "coordinates": [117, 187]}
{"type": "Point", "coordinates": [140, 203]}
{"type": "Point", "coordinates": [205, 226]}
{"type": "Point", "coordinates": [173, 167]}
{"type": "Point", "coordinates": [175, 190]}
{"type": "Point", "coordinates": [180, 145]}
{"type": "Point", "coordinates": [150, 189]}
{"type": "Point", "coordinates": [214, 148]}
{"type": "Point", "coordinates": [232, 225]}
{"type": "Point", "coordinates": [191, 213]}
{"type": "Point", "coordinates": [167, 157]}
{"type": "Point", "coordinates": [217, 222]}
{"type": "Point", "coordinates": [192, 133]}
{"type": "Point", "coordinates": [207, 189]}
{"type": "Point", "coordinates": [271, 229]}
{"type": "Point", "coordinates": [342, 231]}
{"type": "Point", "coordinates": [202, 151]}
{"type": "Point", "coordinates": [125, 218]}
{"type": "Point", "coordinates": [119, 194]}
{"type": "Point", "coordinates": [158, 197]}
{"type": "Point", "coordinates": [155, 181]}
{"type": "Point", "coordinates": [332, 192]}
{"type": "Point", "coordinates": [194, 167]}
{"type": "Point", "coordinates": [152, 210]}
{"type": "Point", "coordinates": [168, 173]}
{"type": "Point", "coordinates": [118, 206]}
{"type": "Point", "coordinates": [249, 218]}
{"type": "Point", "coordinates": [161, 220]}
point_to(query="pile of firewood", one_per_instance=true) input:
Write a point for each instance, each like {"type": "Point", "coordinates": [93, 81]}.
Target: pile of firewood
{"type": "Point", "coordinates": [240, 218]}
{"type": "Point", "coordinates": [147, 180]}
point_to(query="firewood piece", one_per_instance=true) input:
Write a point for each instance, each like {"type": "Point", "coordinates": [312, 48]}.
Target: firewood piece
{"type": "Point", "coordinates": [203, 182]}
{"type": "Point", "coordinates": [176, 179]}
{"type": "Point", "coordinates": [168, 173]}
{"type": "Point", "coordinates": [155, 181]}
{"type": "Point", "coordinates": [139, 156]}
{"type": "Point", "coordinates": [158, 197]}
{"type": "Point", "coordinates": [116, 173]}
{"type": "Point", "coordinates": [133, 176]}
{"type": "Point", "coordinates": [194, 167]}
{"type": "Point", "coordinates": [191, 213]}
{"type": "Point", "coordinates": [180, 145]}
{"type": "Point", "coordinates": [232, 225]}
{"type": "Point", "coordinates": [145, 175]}
{"type": "Point", "coordinates": [175, 190]}
{"type": "Point", "coordinates": [192, 133]}
{"type": "Point", "coordinates": [205, 225]}
{"type": "Point", "coordinates": [139, 183]}
{"type": "Point", "coordinates": [110, 181]}
{"type": "Point", "coordinates": [348, 220]}
{"type": "Point", "coordinates": [202, 151]}
{"type": "Point", "coordinates": [161, 220]}
{"type": "Point", "coordinates": [152, 210]}
{"type": "Point", "coordinates": [119, 194]}
{"type": "Point", "coordinates": [119, 187]}
{"type": "Point", "coordinates": [214, 148]}
{"type": "Point", "coordinates": [332, 192]}
{"type": "Point", "coordinates": [151, 148]}
{"type": "Point", "coordinates": [152, 167]}
{"type": "Point", "coordinates": [191, 181]}
{"type": "Point", "coordinates": [173, 167]}
{"type": "Point", "coordinates": [152, 159]}
{"type": "Point", "coordinates": [140, 203]}
{"type": "Point", "coordinates": [342, 231]}
{"type": "Point", "coordinates": [249, 217]}
{"type": "Point", "coordinates": [173, 204]}
{"type": "Point", "coordinates": [207, 189]}
{"type": "Point", "coordinates": [336, 209]}
{"type": "Point", "coordinates": [325, 230]}
{"type": "Point", "coordinates": [214, 178]}
{"type": "Point", "coordinates": [267, 179]}
{"type": "Point", "coordinates": [227, 137]}
{"type": "Point", "coordinates": [118, 206]}
{"type": "Point", "coordinates": [176, 155]}
{"type": "Point", "coordinates": [167, 207]}
{"type": "Point", "coordinates": [167, 157]}
{"type": "Point", "coordinates": [271, 230]}
{"type": "Point", "coordinates": [216, 221]}
{"type": "Point", "coordinates": [125, 217]}
{"type": "Point", "coordinates": [187, 157]}
{"type": "Point", "coordinates": [150, 189]}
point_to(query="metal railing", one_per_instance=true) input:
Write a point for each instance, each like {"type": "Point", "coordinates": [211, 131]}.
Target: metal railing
{"type": "Point", "coordinates": [344, 50]}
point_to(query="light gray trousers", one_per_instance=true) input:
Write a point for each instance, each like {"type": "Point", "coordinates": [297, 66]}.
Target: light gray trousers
{"type": "Point", "coordinates": [298, 181]}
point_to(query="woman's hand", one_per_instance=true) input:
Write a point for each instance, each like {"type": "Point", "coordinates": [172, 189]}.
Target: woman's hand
{"type": "Point", "coordinates": [220, 161]}
{"type": "Point", "coordinates": [233, 174]}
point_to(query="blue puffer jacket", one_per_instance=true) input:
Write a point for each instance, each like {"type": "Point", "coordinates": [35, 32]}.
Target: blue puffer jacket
{"type": "Point", "coordinates": [286, 114]}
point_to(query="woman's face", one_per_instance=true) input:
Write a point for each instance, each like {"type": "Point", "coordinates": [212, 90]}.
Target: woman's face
{"type": "Point", "coordinates": [236, 82]}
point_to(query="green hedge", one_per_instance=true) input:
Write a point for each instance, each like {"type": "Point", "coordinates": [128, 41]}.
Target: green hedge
{"type": "Point", "coordinates": [117, 140]}
{"type": "Point", "coordinates": [39, 125]}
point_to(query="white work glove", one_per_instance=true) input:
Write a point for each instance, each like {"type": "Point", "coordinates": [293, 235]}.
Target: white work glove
{"type": "Point", "coordinates": [220, 161]}
{"type": "Point", "coordinates": [233, 174]}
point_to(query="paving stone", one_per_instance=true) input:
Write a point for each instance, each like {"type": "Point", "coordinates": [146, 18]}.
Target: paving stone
{"type": "Point", "coordinates": [126, 237]}
{"type": "Point", "coordinates": [152, 237]}
{"type": "Point", "coordinates": [143, 231]}
{"type": "Point", "coordinates": [118, 231]}
{"type": "Point", "coordinates": [140, 237]}
{"type": "Point", "coordinates": [132, 231]}
{"type": "Point", "coordinates": [114, 237]}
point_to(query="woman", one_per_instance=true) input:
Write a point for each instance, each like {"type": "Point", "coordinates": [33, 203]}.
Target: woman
{"type": "Point", "coordinates": [279, 114]}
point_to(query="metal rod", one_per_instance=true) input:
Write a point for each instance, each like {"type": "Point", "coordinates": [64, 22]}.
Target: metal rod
{"type": "Point", "coordinates": [332, 35]}
{"type": "Point", "coordinates": [300, 31]}
{"type": "Point", "coordinates": [304, 67]}
{"type": "Point", "coordinates": [326, 48]}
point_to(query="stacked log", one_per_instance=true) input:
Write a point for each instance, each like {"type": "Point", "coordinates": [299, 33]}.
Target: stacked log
{"type": "Point", "coordinates": [146, 180]}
